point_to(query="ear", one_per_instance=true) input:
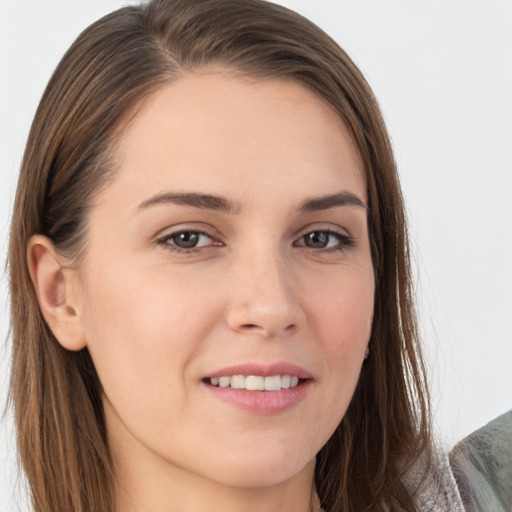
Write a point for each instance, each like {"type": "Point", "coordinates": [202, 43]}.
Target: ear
{"type": "Point", "coordinates": [56, 289]}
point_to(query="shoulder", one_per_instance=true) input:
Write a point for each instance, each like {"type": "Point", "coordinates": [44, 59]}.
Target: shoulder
{"type": "Point", "coordinates": [482, 464]}
{"type": "Point", "coordinates": [434, 490]}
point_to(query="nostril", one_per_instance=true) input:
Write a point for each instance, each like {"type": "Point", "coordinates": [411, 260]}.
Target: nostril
{"type": "Point", "coordinates": [291, 328]}
{"type": "Point", "coordinates": [267, 331]}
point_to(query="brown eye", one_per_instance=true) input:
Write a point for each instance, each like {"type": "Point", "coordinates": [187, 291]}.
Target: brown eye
{"type": "Point", "coordinates": [325, 239]}
{"type": "Point", "coordinates": [317, 239]}
{"type": "Point", "coordinates": [186, 240]}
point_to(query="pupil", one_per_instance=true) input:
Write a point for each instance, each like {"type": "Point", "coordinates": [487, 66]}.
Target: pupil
{"type": "Point", "coordinates": [187, 240]}
{"type": "Point", "coordinates": [317, 239]}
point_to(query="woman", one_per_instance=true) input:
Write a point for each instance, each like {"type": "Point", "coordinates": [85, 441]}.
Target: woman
{"type": "Point", "coordinates": [211, 292]}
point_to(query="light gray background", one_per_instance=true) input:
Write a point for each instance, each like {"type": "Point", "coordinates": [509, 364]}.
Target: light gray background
{"type": "Point", "coordinates": [442, 70]}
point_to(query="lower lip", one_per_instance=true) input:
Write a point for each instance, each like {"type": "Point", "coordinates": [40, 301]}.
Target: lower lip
{"type": "Point", "coordinates": [262, 402]}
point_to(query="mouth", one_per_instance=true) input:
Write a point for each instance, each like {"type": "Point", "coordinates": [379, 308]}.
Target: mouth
{"type": "Point", "coordinates": [259, 388]}
{"type": "Point", "coordinates": [255, 382]}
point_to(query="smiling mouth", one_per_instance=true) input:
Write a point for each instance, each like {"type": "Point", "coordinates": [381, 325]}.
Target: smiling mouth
{"type": "Point", "coordinates": [255, 382]}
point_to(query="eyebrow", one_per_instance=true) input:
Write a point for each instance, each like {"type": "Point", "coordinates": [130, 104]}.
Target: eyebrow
{"type": "Point", "coordinates": [218, 203]}
{"type": "Point", "coordinates": [202, 201]}
{"type": "Point", "coordinates": [344, 198]}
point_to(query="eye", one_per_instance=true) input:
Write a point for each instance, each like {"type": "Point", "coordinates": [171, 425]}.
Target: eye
{"type": "Point", "coordinates": [325, 239]}
{"type": "Point", "coordinates": [186, 240]}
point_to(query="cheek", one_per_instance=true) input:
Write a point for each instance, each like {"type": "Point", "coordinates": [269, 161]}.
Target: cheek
{"type": "Point", "coordinates": [342, 309]}
{"type": "Point", "coordinates": [342, 315]}
{"type": "Point", "coordinates": [141, 329]}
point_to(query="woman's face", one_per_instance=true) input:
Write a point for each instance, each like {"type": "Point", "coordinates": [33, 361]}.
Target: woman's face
{"type": "Point", "coordinates": [231, 249]}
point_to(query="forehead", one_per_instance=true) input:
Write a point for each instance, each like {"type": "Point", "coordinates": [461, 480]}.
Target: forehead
{"type": "Point", "coordinates": [218, 131]}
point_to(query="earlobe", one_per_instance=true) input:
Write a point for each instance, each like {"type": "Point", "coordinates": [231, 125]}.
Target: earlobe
{"type": "Point", "coordinates": [53, 285]}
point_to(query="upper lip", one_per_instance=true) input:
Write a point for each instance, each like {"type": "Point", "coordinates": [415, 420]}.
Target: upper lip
{"type": "Point", "coordinates": [264, 370]}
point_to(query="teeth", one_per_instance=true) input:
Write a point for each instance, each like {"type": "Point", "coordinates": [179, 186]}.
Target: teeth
{"type": "Point", "coordinates": [256, 382]}
{"type": "Point", "coordinates": [273, 383]}
{"type": "Point", "coordinates": [224, 382]}
{"type": "Point", "coordinates": [285, 381]}
{"type": "Point", "coordinates": [238, 382]}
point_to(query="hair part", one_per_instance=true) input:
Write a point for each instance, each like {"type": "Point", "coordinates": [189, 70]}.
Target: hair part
{"type": "Point", "coordinates": [102, 80]}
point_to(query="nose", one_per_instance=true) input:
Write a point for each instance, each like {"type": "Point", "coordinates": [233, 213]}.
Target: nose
{"type": "Point", "coordinates": [264, 299]}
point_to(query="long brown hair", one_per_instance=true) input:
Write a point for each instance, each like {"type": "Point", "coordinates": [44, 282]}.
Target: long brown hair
{"type": "Point", "coordinates": [100, 82]}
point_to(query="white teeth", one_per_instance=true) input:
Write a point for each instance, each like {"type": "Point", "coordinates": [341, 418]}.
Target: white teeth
{"type": "Point", "coordinates": [238, 382]}
{"type": "Point", "coordinates": [224, 382]}
{"type": "Point", "coordinates": [273, 383]}
{"type": "Point", "coordinates": [285, 381]}
{"type": "Point", "coordinates": [256, 382]}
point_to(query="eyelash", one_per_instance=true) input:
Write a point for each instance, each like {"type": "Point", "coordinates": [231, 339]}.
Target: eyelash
{"type": "Point", "coordinates": [344, 241]}
{"type": "Point", "coordinates": [168, 241]}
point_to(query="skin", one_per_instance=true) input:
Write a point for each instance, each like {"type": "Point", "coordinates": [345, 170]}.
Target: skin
{"type": "Point", "coordinates": [157, 321]}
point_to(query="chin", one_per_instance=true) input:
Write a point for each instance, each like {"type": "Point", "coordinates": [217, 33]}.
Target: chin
{"type": "Point", "coordinates": [263, 470]}
{"type": "Point", "coordinates": [258, 478]}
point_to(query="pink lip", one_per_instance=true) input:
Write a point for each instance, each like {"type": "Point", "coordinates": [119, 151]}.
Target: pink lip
{"type": "Point", "coordinates": [262, 402]}
{"type": "Point", "coordinates": [280, 368]}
